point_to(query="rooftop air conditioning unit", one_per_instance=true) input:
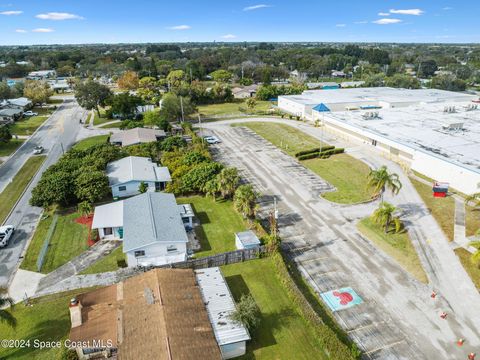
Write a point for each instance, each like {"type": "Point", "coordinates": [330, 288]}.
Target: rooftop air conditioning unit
{"type": "Point", "coordinates": [453, 126]}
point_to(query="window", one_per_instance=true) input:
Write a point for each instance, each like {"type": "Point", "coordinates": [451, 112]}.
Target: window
{"type": "Point", "coordinates": [171, 248]}
{"type": "Point", "coordinates": [107, 231]}
{"type": "Point", "coordinates": [139, 253]}
{"type": "Point", "coordinates": [122, 188]}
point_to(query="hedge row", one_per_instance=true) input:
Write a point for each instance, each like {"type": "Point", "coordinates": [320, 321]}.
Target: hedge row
{"type": "Point", "coordinates": [322, 155]}
{"type": "Point", "coordinates": [314, 150]}
{"type": "Point", "coordinates": [332, 345]}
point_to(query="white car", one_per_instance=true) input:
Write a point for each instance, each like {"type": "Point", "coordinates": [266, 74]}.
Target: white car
{"type": "Point", "coordinates": [6, 233]}
{"type": "Point", "coordinates": [38, 150]}
{"type": "Point", "coordinates": [212, 140]}
{"type": "Point", "coordinates": [30, 113]}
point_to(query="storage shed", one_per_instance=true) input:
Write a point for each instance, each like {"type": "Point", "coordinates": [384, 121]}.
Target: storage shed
{"type": "Point", "coordinates": [246, 240]}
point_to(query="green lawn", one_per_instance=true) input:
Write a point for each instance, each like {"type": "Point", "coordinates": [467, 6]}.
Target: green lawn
{"type": "Point", "coordinates": [114, 125]}
{"type": "Point", "coordinates": [442, 209]}
{"type": "Point", "coordinates": [68, 241]}
{"type": "Point", "coordinates": [472, 269]}
{"type": "Point", "coordinates": [10, 195]}
{"type": "Point", "coordinates": [219, 223]}
{"type": "Point", "coordinates": [346, 173]}
{"type": "Point", "coordinates": [108, 263]}
{"type": "Point", "coordinates": [472, 219]}
{"type": "Point", "coordinates": [98, 120]}
{"type": "Point", "coordinates": [398, 246]}
{"type": "Point", "coordinates": [27, 125]}
{"type": "Point", "coordinates": [48, 319]}
{"type": "Point", "coordinates": [7, 149]}
{"type": "Point", "coordinates": [237, 107]}
{"type": "Point", "coordinates": [91, 141]}
{"type": "Point", "coordinates": [282, 332]}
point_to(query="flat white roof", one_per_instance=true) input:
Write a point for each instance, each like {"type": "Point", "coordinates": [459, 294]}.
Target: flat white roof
{"type": "Point", "coordinates": [109, 215]}
{"type": "Point", "coordinates": [422, 128]}
{"type": "Point", "coordinates": [248, 238]}
{"type": "Point", "coordinates": [135, 168]}
{"type": "Point", "coordinates": [186, 210]}
{"type": "Point", "coordinates": [220, 305]}
{"type": "Point", "coordinates": [377, 94]}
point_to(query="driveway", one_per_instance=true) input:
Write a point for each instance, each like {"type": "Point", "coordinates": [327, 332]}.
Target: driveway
{"type": "Point", "coordinates": [398, 319]}
{"type": "Point", "coordinates": [59, 130]}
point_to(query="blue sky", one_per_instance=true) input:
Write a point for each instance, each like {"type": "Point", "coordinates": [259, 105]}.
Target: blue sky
{"type": "Point", "coordinates": [87, 21]}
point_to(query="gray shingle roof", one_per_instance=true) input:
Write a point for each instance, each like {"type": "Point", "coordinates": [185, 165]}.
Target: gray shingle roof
{"type": "Point", "coordinates": [134, 168]}
{"type": "Point", "coordinates": [151, 218]}
{"type": "Point", "coordinates": [137, 136]}
{"type": "Point", "coordinates": [10, 112]}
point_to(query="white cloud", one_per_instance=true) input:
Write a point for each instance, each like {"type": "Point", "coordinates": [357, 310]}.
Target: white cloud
{"type": "Point", "coordinates": [43, 30]}
{"type": "Point", "coordinates": [416, 12]}
{"type": "Point", "coordinates": [383, 14]}
{"type": "Point", "coordinates": [11, 12]}
{"type": "Point", "coordinates": [22, 31]}
{"type": "Point", "coordinates": [341, 25]}
{"type": "Point", "coordinates": [361, 22]}
{"type": "Point", "coordinates": [180, 27]}
{"type": "Point", "coordinates": [229, 36]}
{"type": "Point", "coordinates": [58, 16]}
{"type": "Point", "coordinates": [256, 7]}
{"type": "Point", "coordinates": [387, 21]}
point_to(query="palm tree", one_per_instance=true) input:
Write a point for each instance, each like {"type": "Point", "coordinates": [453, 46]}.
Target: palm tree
{"type": "Point", "coordinates": [211, 189]}
{"type": "Point", "coordinates": [384, 216]}
{"type": "Point", "coordinates": [381, 179]}
{"type": "Point", "coordinates": [227, 181]}
{"type": "Point", "coordinates": [245, 200]}
{"type": "Point", "coordinates": [6, 303]}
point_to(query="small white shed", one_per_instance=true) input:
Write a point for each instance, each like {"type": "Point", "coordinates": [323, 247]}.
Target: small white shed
{"type": "Point", "coordinates": [246, 240]}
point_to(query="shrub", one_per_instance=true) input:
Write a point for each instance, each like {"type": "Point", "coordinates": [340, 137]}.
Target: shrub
{"type": "Point", "coordinates": [309, 156]}
{"type": "Point", "coordinates": [247, 312]}
{"type": "Point", "coordinates": [306, 152]}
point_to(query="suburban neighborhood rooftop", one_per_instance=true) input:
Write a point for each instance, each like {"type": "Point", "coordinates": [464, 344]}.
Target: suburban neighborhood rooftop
{"type": "Point", "coordinates": [136, 136]}
{"type": "Point", "coordinates": [136, 168]}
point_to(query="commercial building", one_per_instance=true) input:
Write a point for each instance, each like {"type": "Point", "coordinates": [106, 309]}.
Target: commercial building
{"type": "Point", "coordinates": [433, 132]}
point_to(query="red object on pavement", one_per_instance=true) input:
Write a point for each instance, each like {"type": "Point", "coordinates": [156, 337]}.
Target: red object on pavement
{"type": "Point", "coordinates": [471, 356]}
{"type": "Point", "coordinates": [460, 342]}
{"type": "Point", "coordinates": [434, 295]}
{"type": "Point", "coordinates": [443, 315]}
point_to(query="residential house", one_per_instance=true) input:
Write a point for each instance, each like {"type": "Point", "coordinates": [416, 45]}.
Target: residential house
{"type": "Point", "coordinates": [246, 240]}
{"type": "Point", "coordinates": [42, 75]}
{"type": "Point", "coordinates": [338, 74]}
{"type": "Point", "coordinates": [298, 76]}
{"type": "Point", "coordinates": [245, 92]}
{"type": "Point", "coordinates": [137, 136]}
{"type": "Point", "coordinates": [231, 336]}
{"type": "Point", "coordinates": [126, 175]}
{"type": "Point", "coordinates": [21, 103]}
{"type": "Point", "coordinates": [159, 314]}
{"type": "Point", "coordinates": [9, 115]}
{"type": "Point", "coordinates": [151, 225]}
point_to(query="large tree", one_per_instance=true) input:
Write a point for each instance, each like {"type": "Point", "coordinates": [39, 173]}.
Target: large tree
{"type": "Point", "coordinates": [174, 107]}
{"type": "Point", "coordinates": [37, 91]}
{"type": "Point", "coordinates": [5, 134]}
{"type": "Point", "coordinates": [91, 185]}
{"type": "Point", "coordinates": [128, 81]}
{"type": "Point", "coordinates": [227, 182]}
{"type": "Point", "coordinates": [5, 92]}
{"type": "Point", "coordinates": [221, 75]}
{"type": "Point", "coordinates": [381, 179]}
{"type": "Point", "coordinates": [91, 94]}
{"type": "Point", "coordinates": [245, 200]}
{"type": "Point", "coordinates": [125, 105]}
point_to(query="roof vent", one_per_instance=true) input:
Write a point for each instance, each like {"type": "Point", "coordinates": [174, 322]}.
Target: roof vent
{"type": "Point", "coordinates": [369, 115]}
{"type": "Point", "coordinates": [449, 109]}
{"type": "Point", "coordinates": [471, 107]}
{"type": "Point", "coordinates": [453, 126]}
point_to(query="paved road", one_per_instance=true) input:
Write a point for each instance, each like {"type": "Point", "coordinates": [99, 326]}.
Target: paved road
{"type": "Point", "coordinates": [398, 319]}
{"type": "Point", "coordinates": [59, 130]}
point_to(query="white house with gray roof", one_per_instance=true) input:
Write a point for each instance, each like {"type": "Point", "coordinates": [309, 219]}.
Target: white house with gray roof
{"type": "Point", "coordinates": [150, 225]}
{"type": "Point", "coordinates": [126, 175]}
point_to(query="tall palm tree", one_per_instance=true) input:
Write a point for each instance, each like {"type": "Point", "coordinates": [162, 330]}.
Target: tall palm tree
{"type": "Point", "coordinates": [384, 216]}
{"type": "Point", "coordinates": [211, 189]}
{"type": "Point", "coordinates": [381, 179]}
{"type": "Point", "coordinates": [245, 200]}
{"type": "Point", "coordinates": [227, 181]}
{"type": "Point", "coordinates": [6, 303]}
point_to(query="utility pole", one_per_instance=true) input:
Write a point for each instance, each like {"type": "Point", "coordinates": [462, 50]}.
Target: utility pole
{"type": "Point", "coordinates": [63, 150]}
{"type": "Point", "coordinates": [200, 126]}
{"type": "Point", "coordinates": [181, 107]}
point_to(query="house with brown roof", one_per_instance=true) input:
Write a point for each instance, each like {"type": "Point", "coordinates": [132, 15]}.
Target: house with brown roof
{"type": "Point", "coordinates": [158, 315]}
{"type": "Point", "coordinates": [137, 136]}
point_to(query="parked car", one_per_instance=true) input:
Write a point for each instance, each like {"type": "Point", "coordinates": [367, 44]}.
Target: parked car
{"type": "Point", "coordinates": [212, 140]}
{"type": "Point", "coordinates": [30, 113]}
{"type": "Point", "coordinates": [6, 233]}
{"type": "Point", "coordinates": [38, 150]}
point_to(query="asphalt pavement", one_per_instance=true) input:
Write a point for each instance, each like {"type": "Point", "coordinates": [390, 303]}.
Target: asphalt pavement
{"type": "Point", "coordinates": [56, 135]}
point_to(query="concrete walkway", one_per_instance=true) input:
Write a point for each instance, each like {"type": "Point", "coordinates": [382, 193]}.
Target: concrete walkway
{"type": "Point", "coordinates": [24, 284]}
{"type": "Point", "coordinates": [78, 264]}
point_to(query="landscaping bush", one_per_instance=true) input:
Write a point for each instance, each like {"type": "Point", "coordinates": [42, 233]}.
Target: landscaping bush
{"type": "Point", "coordinates": [309, 156]}
{"type": "Point", "coordinates": [306, 152]}
{"type": "Point", "coordinates": [328, 147]}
